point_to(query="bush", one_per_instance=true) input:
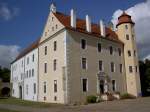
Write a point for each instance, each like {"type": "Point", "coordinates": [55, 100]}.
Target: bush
{"type": "Point", "coordinates": [127, 96]}
{"type": "Point", "coordinates": [91, 99]}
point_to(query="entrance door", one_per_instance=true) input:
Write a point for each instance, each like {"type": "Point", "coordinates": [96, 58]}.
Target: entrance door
{"type": "Point", "coordinates": [20, 92]}
{"type": "Point", "coordinates": [101, 86]}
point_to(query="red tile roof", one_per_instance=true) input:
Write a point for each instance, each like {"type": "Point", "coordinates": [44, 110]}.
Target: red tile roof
{"type": "Point", "coordinates": [125, 18]}
{"type": "Point", "coordinates": [81, 27]}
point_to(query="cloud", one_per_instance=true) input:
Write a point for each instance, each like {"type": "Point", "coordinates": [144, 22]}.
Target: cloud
{"type": "Point", "coordinates": [8, 54]}
{"type": "Point", "coordinates": [141, 16]}
{"type": "Point", "coordinates": [7, 13]}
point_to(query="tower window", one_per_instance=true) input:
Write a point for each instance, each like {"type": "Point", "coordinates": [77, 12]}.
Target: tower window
{"type": "Point", "coordinates": [99, 47]}
{"type": "Point", "coordinates": [55, 64]}
{"type": "Point", "coordinates": [127, 37]}
{"type": "Point", "coordinates": [111, 50]}
{"type": "Point", "coordinates": [83, 44]}
{"type": "Point", "coordinates": [130, 69]}
{"type": "Point", "coordinates": [129, 53]}
{"type": "Point", "coordinates": [44, 87]}
{"type": "Point", "coordinates": [84, 63]}
{"type": "Point", "coordinates": [45, 67]}
{"type": "Point", "coordinates": [84, 85]}
{"type": "Point", "coordinates": [126, 27]}
{"type": "Point", "coordinates": [119, 51]}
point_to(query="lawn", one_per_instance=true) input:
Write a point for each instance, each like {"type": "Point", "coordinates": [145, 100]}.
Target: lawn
{"type": "Point", "coordinates": [5, 110]}
{"type": "Point", "coordinates": [15, 101]}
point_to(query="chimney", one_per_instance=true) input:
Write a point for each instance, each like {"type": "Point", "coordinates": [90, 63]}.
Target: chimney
{"type": "Point", "coordinates": [73, 18]}
{"type": "Point", "coordinates": [88, 23]}
{"type": "Point", "coordinates": [53, 8]}
{"type": "Point", "coordinates": [102, 28]}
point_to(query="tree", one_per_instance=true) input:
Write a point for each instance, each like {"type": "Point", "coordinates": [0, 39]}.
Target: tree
{"type": "Point", "coordinates": [4, 74]}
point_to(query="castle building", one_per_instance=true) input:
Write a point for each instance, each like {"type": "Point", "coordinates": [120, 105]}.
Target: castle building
{"type": "Point", "coordinates": [75, 58]}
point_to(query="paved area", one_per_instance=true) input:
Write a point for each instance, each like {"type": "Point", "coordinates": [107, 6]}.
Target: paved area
{"type": "Point", "coordinates": [137, 105]}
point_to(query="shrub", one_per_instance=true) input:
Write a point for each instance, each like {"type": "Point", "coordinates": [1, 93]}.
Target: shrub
{"type": "Point", "coordinates": [91, 99]}
{"type": "Point", "coordinates": [127, 96]}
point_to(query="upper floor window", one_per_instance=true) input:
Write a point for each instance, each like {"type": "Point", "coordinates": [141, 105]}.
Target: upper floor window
{"type": "Point", "coordinates": [32, 72]}
{"type": "Point", "coordinates": [29, 73]}
{"type": "Point", "coordinates": [22, 63]}
{"type": "Point", "coordinates": [84, 85]}
{"type": "Point", "coordinates": [84, 63]}
{"type": "Point", "coordinates": [45, 67]}
{"type": "Point", "coordinates": [56, 26]}
{"type": "Point", "coordinates": [55, 64]}
{"type": "Point", "coordinates": [112, 65]}
{"type": "Point", "coordinates": [45, 52]}
{"type": "Point", "coordinates": [33, 57]}
{"type": "Point", "coordinates": [129, 53]}
{"type": "Point", "coordinates": [55, 45]}
{"type": "Point", "coordinates": [99, 47]}
{"type": "Point", "coordinates": [136, 69]}
{"type": "Point", "coordinates": [127, 37]}
{"type": "Point", "coordinates": [27, 89]}
{"type": "Point", "coordinates": [100, 65]}
{"type": "Point", "coordinates": [52, 18]}
{"type": "Point", "coordinates": [111, 50]}
{"type": "Point", "coordinates": [130, 69]}
{"type": "Point", "coordinates": [119, 51]}
{"type": "Point", "coordinates": [55, 86]}
{"type": "Point", "coordinates": [83, 43]}
{"type": "Point", "coordinates": [126, 27]}
{"type": "Point", "coordinates": [27, 60]}
{"type": "Point", "coordinates": [134, 53]}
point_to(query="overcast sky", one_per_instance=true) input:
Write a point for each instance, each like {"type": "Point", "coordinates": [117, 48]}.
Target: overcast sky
{"type": "Point", "coordinates": [22, 21]}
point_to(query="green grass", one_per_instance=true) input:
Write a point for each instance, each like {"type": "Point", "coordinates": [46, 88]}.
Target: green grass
{"type": "Point", "coordinates": [5, 110]}
{"type": "Point", "coordinates": [15, 101]}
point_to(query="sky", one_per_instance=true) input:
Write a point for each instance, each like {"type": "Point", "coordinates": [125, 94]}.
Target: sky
{"type": "Point", "coordinates": [22, 21]}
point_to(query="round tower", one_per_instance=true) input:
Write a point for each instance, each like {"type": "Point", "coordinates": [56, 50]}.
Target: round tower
{"type": "Point", "coordinates": [125, 31]}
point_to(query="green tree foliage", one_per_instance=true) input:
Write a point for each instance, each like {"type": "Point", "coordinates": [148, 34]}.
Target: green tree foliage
{"type": "Point", "coordinates": [4, 74]}
{"type": "Point", "coordinates": [145, 77]}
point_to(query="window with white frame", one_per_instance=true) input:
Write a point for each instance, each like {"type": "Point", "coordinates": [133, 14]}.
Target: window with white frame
{"type": "Point", "coordinates": [130, 69]}
{"type": "Point", "coordinates": [55, 86]}
{"type": "Point", "coordinates": [84, 85]}
{"type": "Point", "coordinates": [84, 63]}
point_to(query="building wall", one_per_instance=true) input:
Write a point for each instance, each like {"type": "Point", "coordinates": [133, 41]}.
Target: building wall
{"type": "Point", "coordinates": [133, 79]}
{"type": "Point", "coordinates": [76, 73]}
{"type": "Point", "coordinates": [19, 76]}
{"type": "Point", "coordinates": [52, 75]}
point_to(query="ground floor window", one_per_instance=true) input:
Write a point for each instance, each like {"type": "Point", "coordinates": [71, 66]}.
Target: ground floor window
{"type": "Point", "coordinates": [44, 87]}
{"type": "Point", "coordinates": [84, 85]}
{"type": "Point", "coordinates": [34, 88]}
{"type": "Point", "coordinates": [55, 86]}
{"type": "Point", "coordinates": [113, 85]}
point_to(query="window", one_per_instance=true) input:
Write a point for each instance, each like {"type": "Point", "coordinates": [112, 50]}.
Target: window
{"type": "Point", "coordinates": [27, 89]}
{"type": "Point", "coordinates": [113, 85]}
{"type": "Point", "coordinates": [52, 18]}
{"type": "Point", "coordinates": [83, 44]}
{"type": "Point", "coordinates": [99, 47]}
{"type": "Point", "coordinates": [111, 50]}
{"type": "Point", "coordinates": [29, 73]}
{"type": "Point", "coordinates": [55, 86]}
{"type": "Point", "coordinates": [119, 51]}
{"type": "Point", "coordinates": [127, 37]}
{"type": "Point", "coordinates": [34, 88]}
{"type": "Point", "coordinates": [130, 69]}
{"type": "Point", "coordinates": [112, 67]}
{"type": "Point", "coordinates": [136, 69]}
{"type": "Point", "coordinates": [55, 64]}
{"type": "Point", "coordinates": [56, 26]}
{"type": "Point", "coordinates": [45, 50]}
{"type": "Point", "coordinates": [129, 53]}
{"type": "Point", "coordinates": [100, 65]}
{"type": "Point", "coordinates": [84, 63]}
{"type": "Point", "coordinates": [33, 57]}
{"type": "Point", "coordinates": [45, 67]}
{"type": "Point", "coordinates": [134, 53]}
{"type": "Point", "coordinates": [126, 27]}
{"type": "Point", "coordinates": [120, 68]}
{"type": "Point", "coordinates": [84, 85]}
{"type": "Point", "coordinates": [32, 72]}
{"type": "Point", "coordinates": [22, 63]}
{"type": "Point", "coordinates": [55, 45]}
{"type": "Point", "coordinates": [44, 87]}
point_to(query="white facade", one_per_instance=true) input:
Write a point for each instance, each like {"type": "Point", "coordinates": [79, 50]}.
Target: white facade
{"type": "Point", "coordinates": [24, 76]}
